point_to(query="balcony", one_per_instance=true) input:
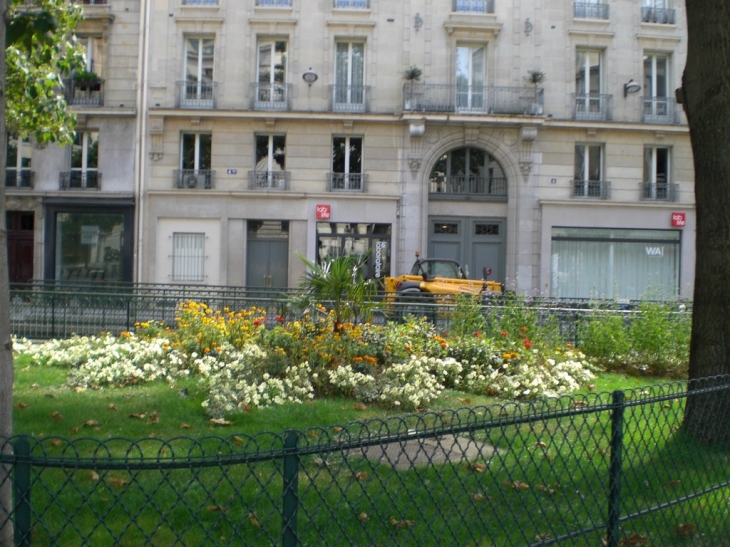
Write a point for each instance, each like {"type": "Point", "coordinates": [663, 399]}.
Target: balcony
{"type": "Point", "coordinates": [588, 10]}
{"type": "Point", "coordinates": [659, 191]}
{"type": "Point", "coordinates": [88, 92]}
{"type": "Point", "coordinates": [439, 98]}
{"type": "Point", "coordinates": [19, 178]}
{"type": "Point", "coordinates": [94, 2]}
{"type": "Point", "coordinates": [268, 96]}
{"type": "Point", "coordinates": [663, 16]}
{"type": "Point", "coordinates": [346, 182]}
{"type": "Point", "coordinates": [268, 180]}
{"type": "Point", "coordinates": [78, 179]}
{"type": "Point", "coordinates": [200, 95]}
{"type": "Point", "coordinates": [659, 110]}
{"type": "Point", "coordinates": [468, 186]}
{"type": "Point", "coordinates": [472, 6]}
{"type": "Point", "coordinates": [352, 4]}
{"type": "Point", "coordinates": [194, 178]}
{"type": "Point", "coordinates": [591, 189]}
{"type": "Point", "coordinates": [200, 2]}
{"type": "Point", "coordinates": [273, 3]}
{"type": "Point", "coordinates": [592, 106]}
{"type": "Point", "coordinates": [349, 98]}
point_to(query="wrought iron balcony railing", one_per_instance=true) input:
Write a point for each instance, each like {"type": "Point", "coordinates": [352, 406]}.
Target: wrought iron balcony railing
{"type": "Point", "coordinates": [659, 191]}
{"type": "Point", "coordinates": [274, 3]}
{"type": "Point", "coordinates": [196, 95]}
{"type": "Point", "coordinates": [352, 4]}
{"type": "Point", "coordinates": [95, 2]}
{"type": "Point", "coordinates": [268, 180]}
{"type": "Point", "coordinates": [472, 6]}
{"type": "Point", "coordinates": [592, 106]}
{"type": "Point", "coordinates": [440, 98]}
{"type": "Point", "coordinates": [200, 2]}
{"type": "Point", "coordinates": [468, 185]}
{"type": "Point", "coordinates": [19, 178]}
{"type": "Point", "coordinates": [588, 10]}
{"type": "Point", "coordinates": [194, 178]}
{"type": "Point", "coordinates": [267, 96]}
{"type": "Point", "coordinates": [663, 16]}
{"type": "Point", "coordinates": [349, 98]}
{"type": "Point", "coordinates": [80, 179]}
{"type": "Point", "coordinates": [591, 189]}
{"type": "Point", "coordinates": [344, 182]}
{"type": "Point", "coordinates": [84, 92]}
{"type": "Point", "coordinates": [659, 110]}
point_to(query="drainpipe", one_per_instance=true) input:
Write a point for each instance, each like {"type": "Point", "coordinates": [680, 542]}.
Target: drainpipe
{"type": "Point", "coordinates": [140, 145]}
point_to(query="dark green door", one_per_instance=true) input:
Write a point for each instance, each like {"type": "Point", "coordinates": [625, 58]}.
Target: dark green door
{"type": "Point", "coordinates": [267, 257]}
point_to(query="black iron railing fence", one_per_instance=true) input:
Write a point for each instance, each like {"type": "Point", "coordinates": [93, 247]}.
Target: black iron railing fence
{"type": "Point", "coordinates": [599, 469]}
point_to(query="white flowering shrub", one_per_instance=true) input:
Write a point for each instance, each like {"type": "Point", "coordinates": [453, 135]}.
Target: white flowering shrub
{"type": "Point", "coordinates": [349, 383]}
{"type": "Point", "coordinates": [410, 385]}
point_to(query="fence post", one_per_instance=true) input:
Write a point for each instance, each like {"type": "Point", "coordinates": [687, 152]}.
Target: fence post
{"type": "Point", "coordinates": [291, 489]}
{"type": "Point", "coordinates": [53, 316]}
{"type": "Point", "coordinates": [21, 483]}
{"type": "Point", "coordinates": [614, 477]}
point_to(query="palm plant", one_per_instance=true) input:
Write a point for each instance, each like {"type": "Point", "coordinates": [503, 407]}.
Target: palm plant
{"type": "Point", "coordinates": [339, 285]}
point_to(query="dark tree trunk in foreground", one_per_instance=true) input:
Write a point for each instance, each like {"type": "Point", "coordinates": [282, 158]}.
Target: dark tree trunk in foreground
{"type": "Point", "coordinates": [6, 351]}
{"type": "Point", "coordinates": [705, 95]}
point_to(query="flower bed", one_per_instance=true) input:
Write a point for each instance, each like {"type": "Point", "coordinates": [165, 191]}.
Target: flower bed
{"type": "Point", "coordinates": [244, 364]}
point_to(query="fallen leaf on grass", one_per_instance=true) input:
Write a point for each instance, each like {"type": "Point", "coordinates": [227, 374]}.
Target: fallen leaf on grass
{"type": "Point", "coordinates": [359, 476]}
{"type": "Point", "coordinates": [464, 401]}
{"type": "Point", "coordinates": [215, 509]}
{"type": "Point", "coordinates": [140, 416]}
{"type": "Point", "coordinates": [56, 442]}
{"type": "Point", "coordinates": [254, 520]}
{"type": "Point", "coordinates": [477, 467]}
{"type": "Point", "coordinates": [686, 530]}
{"type": "Point", "coordinates": [337, 429]}
{"type": "Point", "coordinates": [34, 386]}
{"type": "Point", "coordinates": [90, 423]}
{"type": "Point", "coordinates": [21, 406]}
{"type": "Point", "coordinates": [359, 406]}
{"type": "Point", "coordinates": [634, 539]}
{"type": "Point", "coordinates": [516, 485]}
{"type": "Point", "coordinates": [312, 434]}
{"type": "Point", "coordinates": [238, 441]}
{"type": "Point", "coordinates": [56, 415]}
{"type": "Point", "coordinates": [112, 406]}
{"type": "Point", "coordinates": [363, 517]}
{"type": "Point", "coordinates": [74, 430]}
{"type": "Point", "coordinates": [401, 523]}
{"type": "Point", "coordinates": [672, 484]}
{"type": "Point", "coordinates": [154, 418]}
{"type": "Point", "coordinates": [185, 426]}
{"type": "Point", "coordinates": [478, 497]}
{"type": "Point", "coordinates": [219, 421]}
{"type": "Point", "coordinates": [117, 482]}
{"type": "Point", "coordinates": [545, 489]}
{"type": "Point", "coordinates": [541, 444]}
{"type": "Point", "coordinates": [94, 476]}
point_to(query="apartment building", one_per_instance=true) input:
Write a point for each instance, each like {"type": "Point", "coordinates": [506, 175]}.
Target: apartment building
{"type": "Point", "coordinates": [540, 140]}
{"type": "Point", "coordinates": [70, 210]}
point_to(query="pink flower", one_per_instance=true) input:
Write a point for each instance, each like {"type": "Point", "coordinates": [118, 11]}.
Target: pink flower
{"type": "Point", "coordinates": [528, 344]}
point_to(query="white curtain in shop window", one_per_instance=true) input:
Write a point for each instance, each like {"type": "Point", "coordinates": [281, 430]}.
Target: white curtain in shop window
{"type": "Point", "coordinates": [615, 269]}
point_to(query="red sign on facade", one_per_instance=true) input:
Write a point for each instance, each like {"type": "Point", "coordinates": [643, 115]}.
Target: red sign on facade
{"type": "Point", "coordinates": [323, 212]}
{"type": "Point", "coordinates": [679, 220]}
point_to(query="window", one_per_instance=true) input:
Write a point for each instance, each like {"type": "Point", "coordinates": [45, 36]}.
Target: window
{"type": "Point", "coordinates": [658, 106]}
{"type": "Point", "coordinates": [17, 163]}
{"type": "Point", "coordinates": [590, 104]}
{"type": "Point", "coordinates": [271, 89]}
{"type": "Point", "coordinates": [94, 53]}
{"type": "Point", "coordinates": [188, 256]}
{"type": "Point", "coordinates": [657, 11]}
{"type": "Point", "coordinates": [335, 239]}
{"type": "Point", "coordinates": [85, 160]}
{"type": "Point", "coordinates": [467, 171]}
{"type": "Point", "coordinates": [352, 4]}
{"type": "Point", "coordinates": [473, 6]}
{"type": "Point", "coordinates": [346, 164]}
{"type": "Point", "coordinates": [470, 78]}
{"type": "Point", "coordinates": [614, 263]}
{"type": "Point", "coordinates": [656, 174]}
{"type": "Point", "coordinates": [195, 161]}
{"type": "Point", "coordinates": [590, 9]}
{"type": "Point", "coordinates": [349, 89]}
{"type": "Point", "coordinates": [588, 173]}
{"type": "Point", "coordinates": [198, 85]}
{"type": "Point", "coordinates": [270, 164]}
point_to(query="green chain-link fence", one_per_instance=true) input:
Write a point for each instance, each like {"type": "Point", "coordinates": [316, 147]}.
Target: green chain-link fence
{"type": "Point", "coordinates": [612, 469]}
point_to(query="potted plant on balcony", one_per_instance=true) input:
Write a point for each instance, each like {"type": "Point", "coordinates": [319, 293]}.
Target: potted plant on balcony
{"type": "Point", "coordinates": [410, 75]}
{"type": "Point", "coordinates": [87, 80]}
{"type": "Point", "coordinates": [535, 78]}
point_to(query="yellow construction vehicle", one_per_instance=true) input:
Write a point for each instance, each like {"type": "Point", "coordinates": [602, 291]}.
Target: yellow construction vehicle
{"type": "Point", "coordinates": [441, 278]}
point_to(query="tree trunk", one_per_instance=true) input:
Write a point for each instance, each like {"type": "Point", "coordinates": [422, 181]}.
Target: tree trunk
{"type": "Point", "coordinates": [705, 95]}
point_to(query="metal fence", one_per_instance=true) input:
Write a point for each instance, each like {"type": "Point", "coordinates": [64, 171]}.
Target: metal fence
{"type": "Point", "coordinates": [598, 469]}
{"type": "Point", "coordinates": [42, 310]}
